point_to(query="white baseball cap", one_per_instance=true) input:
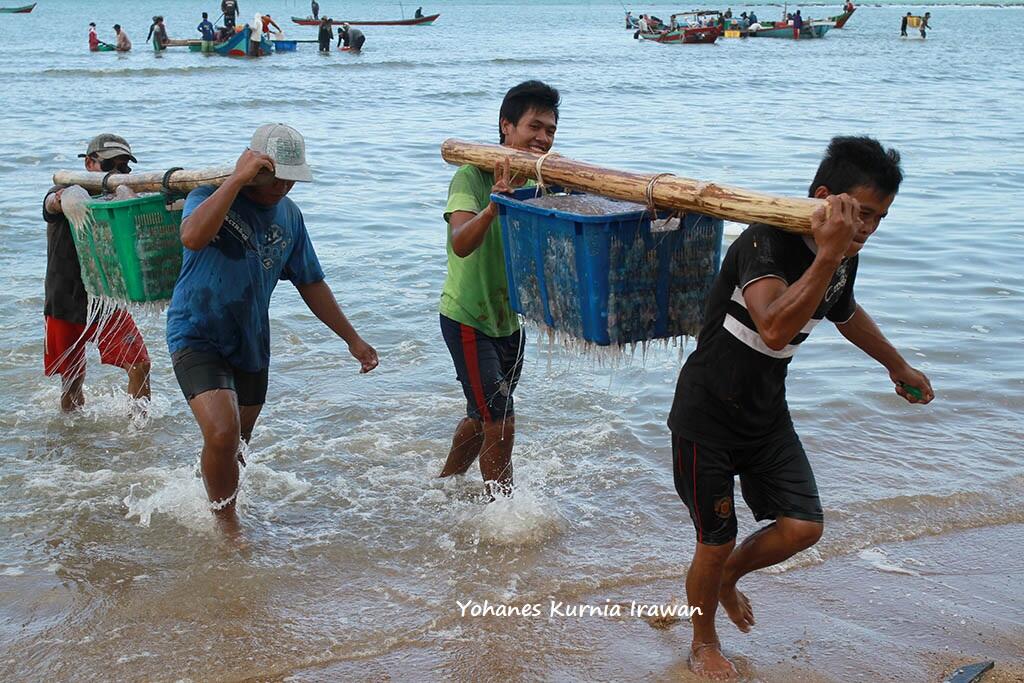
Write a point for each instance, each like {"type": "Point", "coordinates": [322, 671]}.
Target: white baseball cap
{"type": "Point", "coordinates": [286, 147]}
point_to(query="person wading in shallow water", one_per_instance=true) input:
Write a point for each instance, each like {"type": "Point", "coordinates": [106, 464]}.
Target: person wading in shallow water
{"type": "Point", "coordinates": [730, 417]}
{"type": "Point", "coordinates": [477, 321]}
{"type": "Point", "coordinates": [66, 307]}
{"type": "Point", "coordinates": [326, 35]}
{"type": "Point", "coordinates": [239, 240]}
{"type": "Point", "coordinates": [350, 38]}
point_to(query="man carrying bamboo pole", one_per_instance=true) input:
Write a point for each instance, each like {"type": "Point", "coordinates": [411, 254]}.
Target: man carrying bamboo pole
{"type": "Point", "coordinates": [66, 309]}
{"type": "Point", "coordinates": [240, 239]}
{"type": "Point", "coordinates": [730, 417]}
{"type": "Point", "coordinates": [477, 321]}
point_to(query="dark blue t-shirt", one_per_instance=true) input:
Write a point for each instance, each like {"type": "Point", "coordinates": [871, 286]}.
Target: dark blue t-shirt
{"type": "Point", "coordinates": [221, 300]}
{"type": "Point", "coordinates": [206, 28]}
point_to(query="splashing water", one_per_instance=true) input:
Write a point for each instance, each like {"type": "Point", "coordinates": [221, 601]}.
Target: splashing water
{"type": "Point", "coordinates": [524, 518]}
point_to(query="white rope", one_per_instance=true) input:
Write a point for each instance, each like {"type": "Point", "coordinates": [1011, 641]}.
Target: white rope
{"type": "Point", "coordinates": [541, 185]}
{"type": "Point", "coordinates": [663, 224]}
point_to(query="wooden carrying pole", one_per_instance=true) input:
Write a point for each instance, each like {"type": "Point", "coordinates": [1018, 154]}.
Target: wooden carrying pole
{"type": "Point", "coordinates": [182, 180]}
{"type": "Point", "coordinates": [668, 191]}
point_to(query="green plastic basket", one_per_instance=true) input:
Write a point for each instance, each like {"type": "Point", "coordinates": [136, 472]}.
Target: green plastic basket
{"type": "Point", "coordinates": [132, 249]}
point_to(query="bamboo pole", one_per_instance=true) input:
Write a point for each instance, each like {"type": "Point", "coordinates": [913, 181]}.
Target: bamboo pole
{"type": "Point", "coordinates": [668, 192]}
{"type": "Point", "coordinates": [183, 180]}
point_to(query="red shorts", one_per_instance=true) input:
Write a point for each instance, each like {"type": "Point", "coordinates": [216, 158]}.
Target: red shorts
{"type": "Point", "coordinates": [118, 339]}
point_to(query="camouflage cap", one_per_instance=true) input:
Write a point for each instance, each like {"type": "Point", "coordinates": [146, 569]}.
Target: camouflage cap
{"type": "Point", "coordinates": [109, 146]}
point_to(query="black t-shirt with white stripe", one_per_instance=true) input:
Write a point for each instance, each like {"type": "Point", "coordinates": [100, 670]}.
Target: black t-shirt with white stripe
{"type": "Point", "coordinates": [732, 389]}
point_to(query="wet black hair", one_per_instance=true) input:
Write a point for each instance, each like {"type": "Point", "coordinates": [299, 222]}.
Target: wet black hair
{"type": "Point", "coordinates": [852, 162]}
{"type": "Point", "coordinates": [524, 97]}
{"type": "Point", "coordinates": [205, 16]}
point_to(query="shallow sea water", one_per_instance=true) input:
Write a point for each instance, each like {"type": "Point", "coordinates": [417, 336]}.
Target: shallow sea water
{"type": "Point", "coordinates": [110, 567]}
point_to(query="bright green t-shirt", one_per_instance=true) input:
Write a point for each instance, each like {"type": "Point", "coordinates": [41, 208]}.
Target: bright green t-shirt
{"type": "Point", "coordinates": [476, 289]}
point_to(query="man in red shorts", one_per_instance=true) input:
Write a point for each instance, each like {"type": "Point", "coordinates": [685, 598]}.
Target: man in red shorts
{"type": "Point", "coordinates": [67, 305]}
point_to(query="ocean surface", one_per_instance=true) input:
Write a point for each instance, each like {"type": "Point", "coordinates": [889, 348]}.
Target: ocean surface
{"type": "Point", "coordinates": [110, 567]}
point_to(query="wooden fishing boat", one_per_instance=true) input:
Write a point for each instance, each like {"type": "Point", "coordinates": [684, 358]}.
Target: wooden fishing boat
{"type": "Point", "coordinates": [684, 35]}
{"type": "Point", "coordinates": [813, 28]}
{"type": "Point", "coordinates": [840, 19]}
{"type": "Point", "coordinates": [416, 21]}
{"type": "Point", "coordinates": [25, 9]}
{"type": "Point", "coordinates": [238, 45]}
{"type": "Point", "coordinates": [698, 26]}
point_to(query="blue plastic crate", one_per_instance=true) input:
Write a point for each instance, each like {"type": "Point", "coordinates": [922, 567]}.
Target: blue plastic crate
{"type": "Point", "coordinates": [607, 279]}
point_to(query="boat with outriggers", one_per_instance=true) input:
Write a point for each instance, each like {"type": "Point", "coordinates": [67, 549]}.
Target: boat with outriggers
{"type": "Point", "coordinates": [812, 28]}
{"type": "Point", "coordinates": [687, 28]}
{"type": "Point", "coordinates": [239, 44]}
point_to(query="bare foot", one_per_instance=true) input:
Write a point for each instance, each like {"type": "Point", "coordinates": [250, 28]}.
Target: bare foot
{"type": "Point", "coordinates": [707, 661]}
{"type": "Point", "coordinates": [227, 522]}
{"type": "Point", "coordinates": [737, 606]}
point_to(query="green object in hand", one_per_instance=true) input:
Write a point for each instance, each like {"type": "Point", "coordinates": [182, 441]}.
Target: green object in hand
{"type": "Point", "coordinates": [913, 391]}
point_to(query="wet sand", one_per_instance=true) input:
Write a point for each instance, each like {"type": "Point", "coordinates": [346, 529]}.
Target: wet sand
{"type": "Point", "coordinates": [911, 611]}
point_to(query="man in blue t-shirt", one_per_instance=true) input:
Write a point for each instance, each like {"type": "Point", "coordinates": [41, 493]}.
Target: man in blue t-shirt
{"type": "Point", "coordinates": [206, 29]}
{"type": "Point", "coordinates": [240, 239]}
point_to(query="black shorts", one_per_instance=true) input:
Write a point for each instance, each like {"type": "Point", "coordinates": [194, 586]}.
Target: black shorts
{"type": "Point", "coordinates": [487, 367]}
{"type": "Point", "coordinates": [201, 371]}
{"type": "Point", "coordinates": [776, 481]}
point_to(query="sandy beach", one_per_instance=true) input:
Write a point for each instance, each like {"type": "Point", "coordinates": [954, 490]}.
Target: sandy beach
{"type": "Point", "coordinates": [911, 611]}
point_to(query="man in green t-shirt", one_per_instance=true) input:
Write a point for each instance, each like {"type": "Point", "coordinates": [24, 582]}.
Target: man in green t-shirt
{"type": "Point", "coordinates": [477, 321]}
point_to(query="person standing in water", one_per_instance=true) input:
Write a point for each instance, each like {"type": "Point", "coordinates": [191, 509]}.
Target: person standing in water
{"type": "Point", "coordinates": [477, 321]}
{"type": "Point", "coordinates": [94, 39]}
{"type": "Point", "coordinates": [326, 35]}
{"type": "Point", "coordinates": [924, 24]}
{"type": "Point", "coordinates": [123, 43]}
{"type": "Point", "coordinates": [903, 24]}
{"type": "Point", "coordinates": [350, 38]}
{"type": "Point", "coordinates": [314, 6]}
{"type": "Point", "coordinates": [730, 417]}
{"type": "Point", "coordinates": [239, 241]}
{"type": "Point", "coordinates": [158, 32]}
{"type": "Point", "coordinates": [205, 29]}
{"type": "Point", "coordinates": [66, 305]}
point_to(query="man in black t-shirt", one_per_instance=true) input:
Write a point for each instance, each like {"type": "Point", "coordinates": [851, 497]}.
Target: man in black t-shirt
{"type": "Point", "coordinates": [729, 416]}
{"type": "Point", "coordinates": [66, 306]}
{"type": "Point", "coordinates": [230, 10]}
